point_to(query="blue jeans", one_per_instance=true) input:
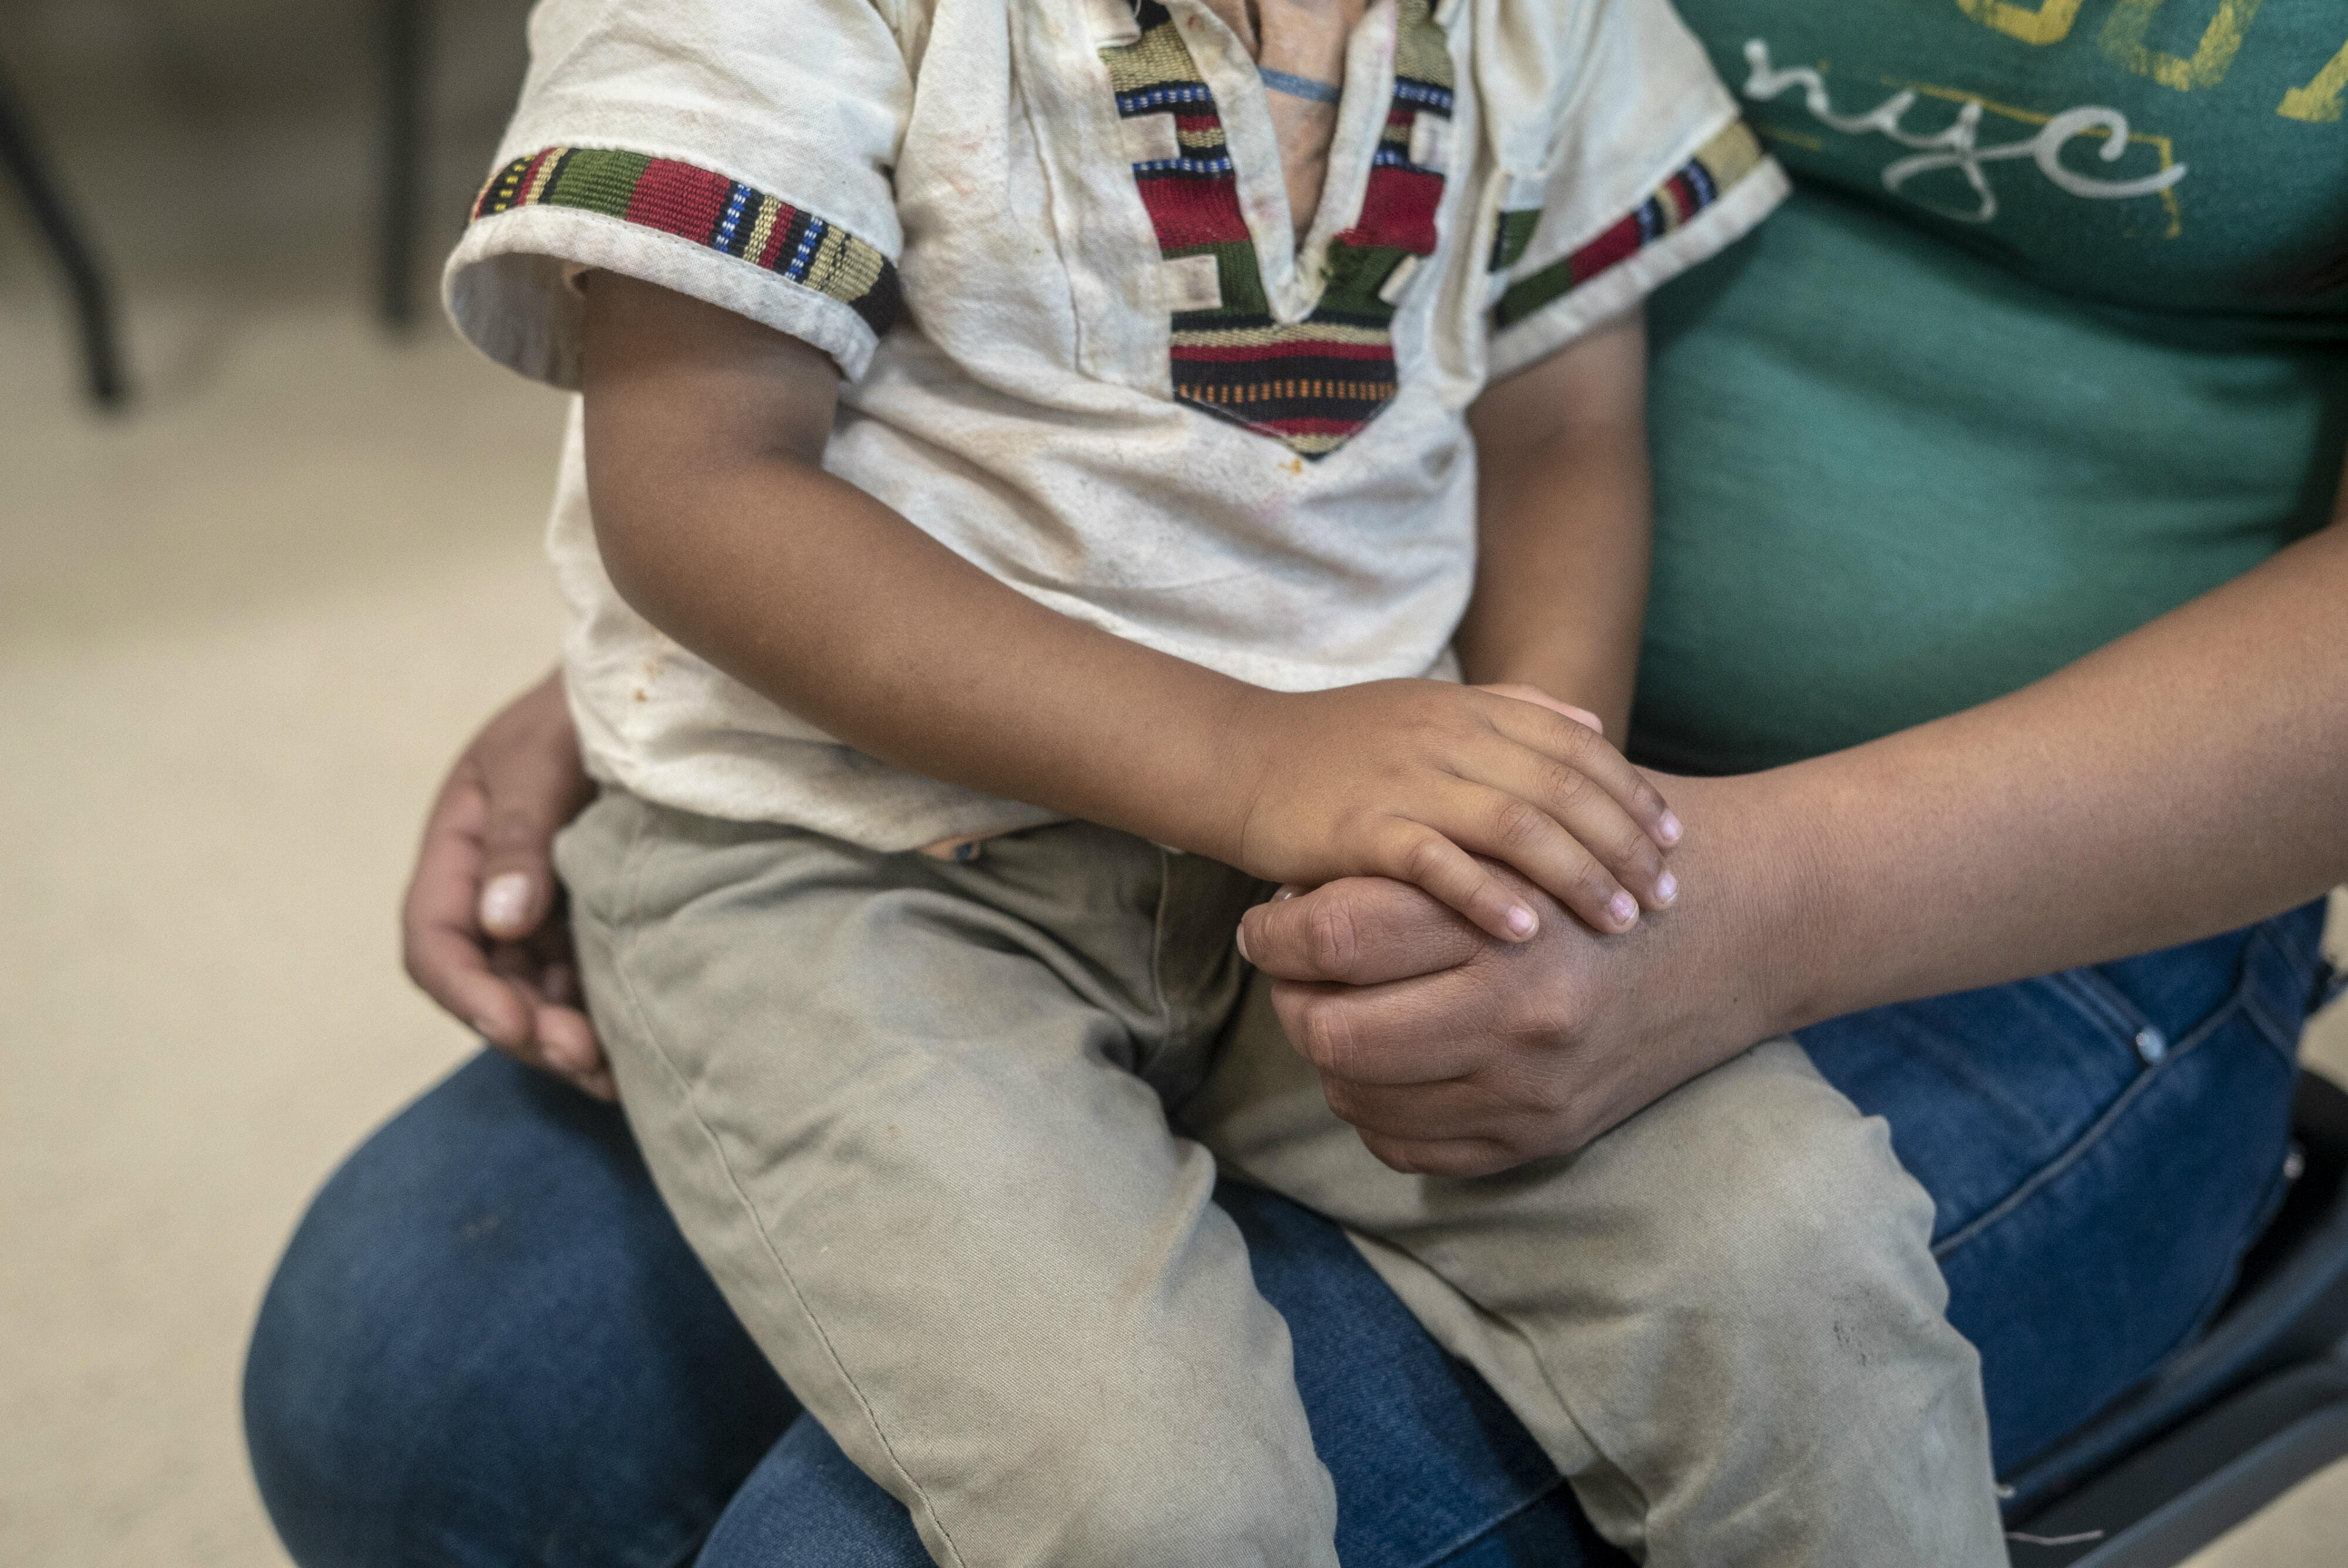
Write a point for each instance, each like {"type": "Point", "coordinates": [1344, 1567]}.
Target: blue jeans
{"type": "Point", "coordinates": [488, 1344]}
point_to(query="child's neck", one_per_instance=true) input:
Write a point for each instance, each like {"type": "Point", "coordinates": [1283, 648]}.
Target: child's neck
{"type": "Point", "coordinates": [1300, 44]}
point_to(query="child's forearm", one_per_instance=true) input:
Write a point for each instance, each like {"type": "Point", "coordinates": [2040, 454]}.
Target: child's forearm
{"type": "Point", "coordinates": [716, 522]}
{"type": "Point", "coordinates": [1564, 515]}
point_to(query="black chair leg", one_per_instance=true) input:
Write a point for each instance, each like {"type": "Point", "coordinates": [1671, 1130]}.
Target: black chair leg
{"type": "Point", "coordinates": [93, 297]}
{"type": "Point", "coordinates": [404, 36]}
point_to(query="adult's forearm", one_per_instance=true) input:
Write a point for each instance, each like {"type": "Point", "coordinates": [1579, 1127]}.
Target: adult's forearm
{"type": "Point", "coordinates": [2187, 779]}
{"type": "Point", "coordinates": [2192, 777]}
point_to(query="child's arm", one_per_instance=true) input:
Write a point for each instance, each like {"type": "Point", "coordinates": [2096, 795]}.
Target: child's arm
{"type": "Point", "coordinates": [1565, 514]}
{"type": "Point", "coordinates": [704, 434]}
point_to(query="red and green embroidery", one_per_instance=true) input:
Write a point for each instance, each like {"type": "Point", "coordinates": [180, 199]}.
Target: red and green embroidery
{"type": "Point", "coordinates": [1312, 383]}
{"type": "Point", "coordinates": [1718, 166]}
{"type": "Point", "coordinates": [707, 209]}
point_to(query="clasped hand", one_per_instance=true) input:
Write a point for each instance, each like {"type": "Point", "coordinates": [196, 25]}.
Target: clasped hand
{"type": "Point", "coordinates": [1451, 1053]}
{"type": "Point", "coordinates": [1416, 779]}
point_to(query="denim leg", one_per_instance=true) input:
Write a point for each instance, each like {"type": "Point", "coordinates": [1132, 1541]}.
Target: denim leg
{"type": "Point", "coordinates": [807, 1505]}
{"type": "Point", "coordinates": [488, 1344]}
{"type": "Point", "coordinates": [2101, 1146]}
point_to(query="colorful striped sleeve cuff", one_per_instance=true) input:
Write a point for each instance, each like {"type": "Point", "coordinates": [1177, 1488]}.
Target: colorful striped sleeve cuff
{"type": "Point", "coordinates": [674, 197]}
{"type": "Point", "coordinates": [1715, 196]}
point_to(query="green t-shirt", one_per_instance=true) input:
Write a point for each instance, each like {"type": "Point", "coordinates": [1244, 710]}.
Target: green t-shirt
{"type": "Point", "coordinates": [1979, 401]}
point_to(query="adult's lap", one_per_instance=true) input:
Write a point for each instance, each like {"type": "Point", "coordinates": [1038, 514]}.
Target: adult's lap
{"type": "Point", "coordinates": [487, 1343]}
{"type": "Point", "coordinates": [2102, 1146]}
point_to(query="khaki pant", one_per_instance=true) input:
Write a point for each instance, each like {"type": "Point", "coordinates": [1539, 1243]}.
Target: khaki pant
{"type": "Point", "coordinates": [912, 1115]}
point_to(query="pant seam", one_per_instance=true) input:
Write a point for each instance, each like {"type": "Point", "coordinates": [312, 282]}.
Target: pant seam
{"type": "Point", "coordinates": [2087, 1141]}
{"type": "Point", "coordinates": [1550, 1379]}
{"type": "Point", "coordinates": [633, 857]}
{"type": "Point", "coordinates": [1145, 1056]}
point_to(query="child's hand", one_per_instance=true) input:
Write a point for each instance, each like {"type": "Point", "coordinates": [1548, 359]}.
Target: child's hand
{"type": "Point", "coordinates": [1405, 778]}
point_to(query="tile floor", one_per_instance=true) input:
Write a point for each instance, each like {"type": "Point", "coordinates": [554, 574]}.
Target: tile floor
{"type": "Point", "coordinates": [240, 632]}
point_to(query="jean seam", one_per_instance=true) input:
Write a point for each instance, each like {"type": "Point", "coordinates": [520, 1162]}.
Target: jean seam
{"type": "Point", "coordinates": [1483, 1531]}
{"type": "Point", "coordinates": [2282, 1038]}
{"type": "Point", "coordinates": [2080, 1146]}
{"type": "Point", "coordinates": [2105, 1005]}
{"type": "Point", "coordinates": [2285, 1041]}
{"type": "Point", "coordinates": [632, 869]}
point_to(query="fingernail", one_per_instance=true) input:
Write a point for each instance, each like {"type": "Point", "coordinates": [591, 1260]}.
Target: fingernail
{"type": "Point", "coordinates": [1669, 826]}
{"type": "Point", "coordinates": [1520, 920]}
{"type": "Point", "coordinates": [1667, 887]}
{"type": "Point", "coordinates": [1623, 907]}
{"type": "Point", "coordinates": [506, 899]}
{"type": "Point", "coordinates": [1239, 937]}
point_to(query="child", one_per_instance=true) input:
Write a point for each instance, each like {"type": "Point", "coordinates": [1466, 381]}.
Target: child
{"type": "Point", "coordinates": [1118, 578]}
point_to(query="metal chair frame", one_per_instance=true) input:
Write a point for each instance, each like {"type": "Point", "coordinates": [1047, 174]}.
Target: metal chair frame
{"type": "Point", "coordinates": [2244, 1414]}
{"type": "Point", "coordinates": [404, 30]}
{"type": "Point", "coordinates": [61, 230]}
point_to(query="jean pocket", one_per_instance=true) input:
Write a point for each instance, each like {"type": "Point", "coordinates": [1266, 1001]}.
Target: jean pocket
{"type": "Point", "coordinates": [2134, 1037]}
{"type": "Point", "coordinates": [2245, 990]}
{"type": "Point", "coordinates": [2158, 1004]}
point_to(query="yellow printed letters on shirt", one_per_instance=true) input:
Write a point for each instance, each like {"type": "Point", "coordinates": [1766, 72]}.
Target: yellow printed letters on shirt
{"type": "Point", "coordinates": [2124, 43]}
{"type": "Point", "coordinates": [2318, 102]}
{"type": "Point", "coordinates": [2049, 23]}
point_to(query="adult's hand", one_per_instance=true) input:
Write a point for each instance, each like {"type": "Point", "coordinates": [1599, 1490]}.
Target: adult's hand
{"type": "Point", "coordinates": [482, 929]}
{"type": "Point", "coordinates": [2189, 778]}
{"type": "Point", "coordinates": [1457, 1055]}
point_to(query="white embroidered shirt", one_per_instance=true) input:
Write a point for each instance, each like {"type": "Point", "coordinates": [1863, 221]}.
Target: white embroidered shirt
{"type": "Point", "coordinates": [1085, 345]}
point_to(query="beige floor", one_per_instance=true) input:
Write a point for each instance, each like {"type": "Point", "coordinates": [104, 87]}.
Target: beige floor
{"type": "Point", "coordinates": [240, 632]}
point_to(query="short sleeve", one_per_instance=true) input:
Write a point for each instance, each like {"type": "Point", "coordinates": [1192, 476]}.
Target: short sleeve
{"type": "Point", "coordinates": [1652, 172]}
{"type": "Point", "coordinates": [737, 153]}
